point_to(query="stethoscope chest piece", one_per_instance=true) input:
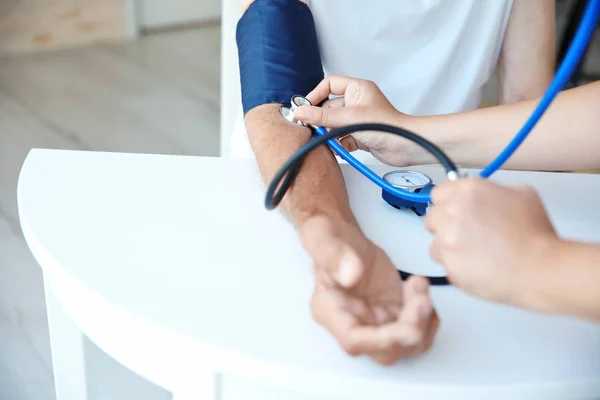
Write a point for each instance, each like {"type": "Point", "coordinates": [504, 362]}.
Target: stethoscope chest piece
{"type": "Point", "coordinates": [411, 181]}
{"type": "Point", "coordinates": [288, 112]}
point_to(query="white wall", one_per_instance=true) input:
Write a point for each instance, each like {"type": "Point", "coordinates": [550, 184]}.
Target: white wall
{"type": "Point", "coordinates": [230, 81]}
{"type": "Point", "coordinates": [141, 14]}
{"type": "Point", "coordinates": [159, 13]}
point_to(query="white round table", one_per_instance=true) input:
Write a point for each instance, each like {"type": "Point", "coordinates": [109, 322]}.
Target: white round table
{"type": "Point", "coordinates": [173, 267]}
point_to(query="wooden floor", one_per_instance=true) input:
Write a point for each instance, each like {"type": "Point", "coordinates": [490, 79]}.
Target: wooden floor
{"type": "Point", "coordinates": [158, 95]}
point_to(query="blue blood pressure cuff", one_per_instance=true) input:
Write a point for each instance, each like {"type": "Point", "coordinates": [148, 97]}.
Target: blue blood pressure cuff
{"type": "Point", "coordinates": [278, 52]}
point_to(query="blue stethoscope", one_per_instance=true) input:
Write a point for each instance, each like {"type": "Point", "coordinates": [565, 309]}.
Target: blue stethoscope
{"type": "Point", "coordinates": [410, 189]}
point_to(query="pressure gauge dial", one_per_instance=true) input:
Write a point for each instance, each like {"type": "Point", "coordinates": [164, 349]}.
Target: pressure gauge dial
{"type": "Point", "coordinates": [407, 180]}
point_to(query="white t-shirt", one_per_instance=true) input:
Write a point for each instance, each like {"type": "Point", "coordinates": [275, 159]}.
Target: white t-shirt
{"type": "Point", "coordinates": [428, 56]}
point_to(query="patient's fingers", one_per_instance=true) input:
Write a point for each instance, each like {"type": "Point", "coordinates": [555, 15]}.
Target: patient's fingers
{"type": "Point", "coordinates": [417, 304]}
{"type": "Point", "coordinates": [418, 310]}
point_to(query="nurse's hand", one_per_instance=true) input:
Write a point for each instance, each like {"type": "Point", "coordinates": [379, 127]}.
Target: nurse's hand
{"type": "Point", "coordinates": [492, 240]}
{"type": "Point", "coordinates": [362, 102]}
{"type": "Point", "coordinates": [360, 299]}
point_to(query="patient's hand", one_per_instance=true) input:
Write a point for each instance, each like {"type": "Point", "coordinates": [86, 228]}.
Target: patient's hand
{"type": "Point", "coordinates": [359, 297]}
{"type": "Point", "coordinates": [362, 102]}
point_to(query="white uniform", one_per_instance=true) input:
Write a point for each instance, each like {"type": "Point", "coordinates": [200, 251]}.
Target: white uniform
{"type": "Point", "coordinates": [427, 56]}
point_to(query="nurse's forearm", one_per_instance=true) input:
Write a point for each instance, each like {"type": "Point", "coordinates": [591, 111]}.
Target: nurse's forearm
{"type": "Point", "coordinates": [566, 138]}
{"type": "Point", "coordinates": [319, 188]}
{"type": "Point", "coordinates": [566, 282]}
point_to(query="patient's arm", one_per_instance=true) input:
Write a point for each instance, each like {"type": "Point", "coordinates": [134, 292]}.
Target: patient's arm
{"type": "Point", "coordinates": [319, 188]}
{"type": "Point", "coordinates": [358, 295]}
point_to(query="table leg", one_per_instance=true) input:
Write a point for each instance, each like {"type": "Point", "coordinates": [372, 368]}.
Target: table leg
{"type": "Point", "coordinates": [66, 343]}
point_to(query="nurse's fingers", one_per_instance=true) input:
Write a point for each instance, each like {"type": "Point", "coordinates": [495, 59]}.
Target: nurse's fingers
{"type": "Point", "coordinates": [336, 102]}
{"type": "Point", "coordinates": [435, 252]}
{"type": "Point", "coordinates": [445, 230]}
{"type": "Point", "coordinates": [455, 192]}
{"type": "Point", "coordinates": [328, 117]}
{"type": "Point", "coordinates": [349, 143]}
{"type": "Point", "coordinates": [433, 219]}
{"type": "Point", "coordinates": [333, 84]}
{"type": "Point", "coordinates": [446, 192]}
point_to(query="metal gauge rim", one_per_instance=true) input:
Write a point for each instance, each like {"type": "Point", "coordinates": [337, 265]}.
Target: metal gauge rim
{"type": "Point", "coordinates": [386, 177]}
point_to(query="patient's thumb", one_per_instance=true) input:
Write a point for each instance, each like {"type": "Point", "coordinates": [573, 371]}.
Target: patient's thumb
{"type": "Point", "coordinates": [350, 269]}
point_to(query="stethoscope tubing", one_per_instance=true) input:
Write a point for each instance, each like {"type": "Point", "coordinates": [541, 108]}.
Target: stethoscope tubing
{"type": "Point", "coordinates": [571, 60]}
{"type": "Point", "coordinates": [287, 173]}
{"type": "Point", "coordinates": [451, 170]}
